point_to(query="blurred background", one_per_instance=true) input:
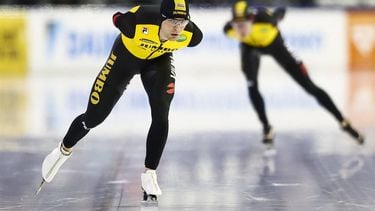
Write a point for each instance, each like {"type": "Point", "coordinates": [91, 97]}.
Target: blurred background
{"type": "Point", "coordinates": [52, 50]}
{"type": "Point", "coordinates": [208, 3]}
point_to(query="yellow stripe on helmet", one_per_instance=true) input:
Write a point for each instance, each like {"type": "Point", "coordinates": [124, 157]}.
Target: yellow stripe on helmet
{"type": "Point", "coordinates": [180, 5]}
{"type": "Point", "coordinates": [240, 8]}
{"type": "Point", "coordinates": [134, 9]}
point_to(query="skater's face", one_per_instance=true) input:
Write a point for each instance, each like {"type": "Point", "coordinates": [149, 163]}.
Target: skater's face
{"type": "Point", "coordinates": [171, 28]}
{"type": "Point", "coordinates": [242, 28]}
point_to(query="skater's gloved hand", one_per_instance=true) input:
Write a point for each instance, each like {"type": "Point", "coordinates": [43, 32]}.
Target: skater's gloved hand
{"type": "Point", "coordinates": [115, 18]}
{"type": "Point", "coordinates": [279, 13]}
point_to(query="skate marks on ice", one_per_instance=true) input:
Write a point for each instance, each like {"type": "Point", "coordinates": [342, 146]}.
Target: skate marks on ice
{"type": "Point", "coordinates": [353, 165]}
{"type": "Point", "coordinates": [149, 205]}
{"type": "Point", "coordinates": [234, 172]}
{"type": "Point", "coordinates": [204, 171]}
{"type": "Point", "coordinates": [86, 182]}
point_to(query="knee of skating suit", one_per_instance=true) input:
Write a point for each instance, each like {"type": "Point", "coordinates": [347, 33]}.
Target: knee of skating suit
{"type": "Point", "coordinates": [53, 162]}
{"type": "Point", "coordinates": [299, 73]}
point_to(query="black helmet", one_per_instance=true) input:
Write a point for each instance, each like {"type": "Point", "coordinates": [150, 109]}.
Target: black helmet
{"type": "Point", "coordinates": [240, 11]}
{"type": "Point", "coordinates": [171, 9]}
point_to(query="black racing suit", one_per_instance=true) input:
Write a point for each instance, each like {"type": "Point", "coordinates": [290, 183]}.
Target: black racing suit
{"type": "Point", "coordinates": [137, 50]}
{"type": "Point", "coordinates": [265, 38]}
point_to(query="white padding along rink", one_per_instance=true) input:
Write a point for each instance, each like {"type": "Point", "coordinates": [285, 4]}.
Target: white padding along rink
{"type": "Point", "coordinates": [67, 40]}
{"type": "Point", "coordinates": [218, 102]}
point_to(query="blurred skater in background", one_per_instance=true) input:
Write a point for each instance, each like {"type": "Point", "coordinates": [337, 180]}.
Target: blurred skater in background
{"type": "Point", "coordinates": [257, 31]}
{"type": "Point", "coordinates": [149, 35]}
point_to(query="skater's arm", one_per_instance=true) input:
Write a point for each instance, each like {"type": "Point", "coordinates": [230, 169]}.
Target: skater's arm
{"type": "Point", "coordinates": [126, 22]}
{"type": "Point", "coordinates": [279, 13]}
{"type": "Point", "coordinates": [197, 34]}
{"type": "Point", "coordinates": [229, 31]}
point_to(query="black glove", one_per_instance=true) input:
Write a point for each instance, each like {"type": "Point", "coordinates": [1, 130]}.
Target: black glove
{"type": "Point", "coordinates": [279, 13]}
{"type": "Point", "coordinates": [115, 18]}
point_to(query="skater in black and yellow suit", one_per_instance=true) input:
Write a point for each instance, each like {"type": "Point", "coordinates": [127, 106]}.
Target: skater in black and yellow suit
{"type": "Point", "coordinates": [256, 30]}
{"type": "Point", "coordinates": [149, 36]}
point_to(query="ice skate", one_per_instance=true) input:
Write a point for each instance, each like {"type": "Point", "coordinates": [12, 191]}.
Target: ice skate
{"type": "Point", "coordinates": [269, 152]}
{"type": "Point", "coordinates": [268, 137]}
{"type": "Point", "coordinates": [150, 187]}
{"type": "Point", "coordinates": [269, 161]}
{"type": "Point", "coordinates": [346, 126]}
{"type": "Point", "coordinates": [52, 163]}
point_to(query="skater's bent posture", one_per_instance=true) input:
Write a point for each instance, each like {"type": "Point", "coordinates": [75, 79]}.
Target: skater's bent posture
{"type": "Point", "coordinates": [149, 35]}
{"type": "Point", "coordinates": [256, 30]}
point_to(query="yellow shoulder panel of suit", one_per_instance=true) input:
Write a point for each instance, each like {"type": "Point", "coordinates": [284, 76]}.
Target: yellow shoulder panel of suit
{"type": "Point", "coordinates": [146, 42]}
{"type": "Point", "coordinates": [261, 35]}
{"type": "Point", "coordinates": [134, 9]}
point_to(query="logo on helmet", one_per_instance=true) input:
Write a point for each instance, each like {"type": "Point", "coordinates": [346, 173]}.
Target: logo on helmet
{"type": "Point", "coordinates": [174, 9]}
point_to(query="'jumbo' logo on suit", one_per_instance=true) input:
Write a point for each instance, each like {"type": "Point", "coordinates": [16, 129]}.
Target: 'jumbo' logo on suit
{"type": "Point", "coordinates": [100, 80]}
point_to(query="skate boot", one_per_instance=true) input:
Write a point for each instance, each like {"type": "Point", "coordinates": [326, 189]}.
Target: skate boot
{"type": "Point", "coordinates": [150, 186]}
{"type": "Point", "coordinates": [53, 162]}
{"type": "Point", "coordinates": [346, 126]}
{"type": "Point", "coordinates": [268, 136]}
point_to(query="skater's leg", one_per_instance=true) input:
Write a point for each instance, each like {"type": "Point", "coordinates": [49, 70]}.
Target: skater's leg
{"type": "Point", "coordinates": [250, 59]}
{"type": "Point", "coordinates": [325, 100]}
{"type": "Point", "coordinates": [81, 125]}
{"type": "Point", "coordinates": [105, 92]}
{"type": "Point", "coordinates": [298, 72]}
{"type": "Point", "coordinates": [158, 81]}
{"type": "Point", "coordinates": [102, 99]}
{"type": "Point", "coordinates": [76, 132]}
